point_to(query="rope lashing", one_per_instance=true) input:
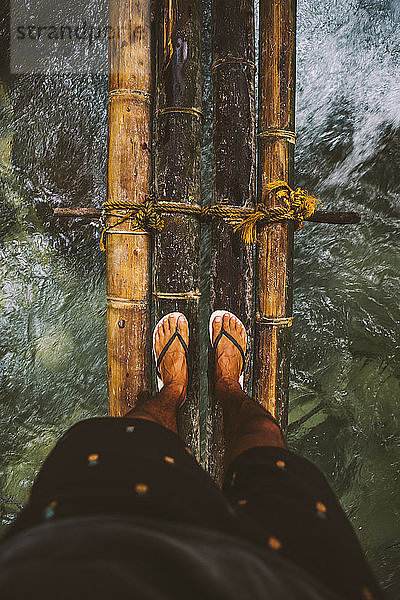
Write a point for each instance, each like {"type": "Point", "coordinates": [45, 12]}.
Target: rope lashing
{"type": "Point", "coordinates": [144, 216]}
{"type": "Point", "coordinates": [297, 205]}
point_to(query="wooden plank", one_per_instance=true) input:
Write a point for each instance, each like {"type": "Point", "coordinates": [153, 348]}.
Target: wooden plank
{"type": "Point", "coordinates": [231, 278]}
{"type": "Point", "coordinates": [176, 265]}
{"type": "Point", "coordinates": [275, 162]}
{"type": "Point", "coordinates": [128, 253]}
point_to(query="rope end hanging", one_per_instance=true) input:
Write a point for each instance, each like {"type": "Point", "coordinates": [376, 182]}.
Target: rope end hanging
{"type": "Point", "coordinates": [101, 241]}
{"type": "Point", "coordinates": [248, 226]}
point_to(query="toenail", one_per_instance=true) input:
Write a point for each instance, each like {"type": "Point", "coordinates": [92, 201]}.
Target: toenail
{"type": "Point", "coordinates": [217, 319]}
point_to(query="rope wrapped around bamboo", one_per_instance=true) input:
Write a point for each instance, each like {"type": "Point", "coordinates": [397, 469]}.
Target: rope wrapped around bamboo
{"type": "Point", "coordinates": [295, 205]}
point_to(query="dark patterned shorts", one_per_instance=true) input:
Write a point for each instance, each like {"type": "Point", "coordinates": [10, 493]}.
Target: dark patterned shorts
{"type": "Point", "coordinates": [270, 496]}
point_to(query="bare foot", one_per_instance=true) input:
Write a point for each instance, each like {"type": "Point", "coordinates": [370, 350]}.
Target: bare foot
{"type": "Point", "coordinates": [173, 366]}
{"type": "Point", "coordinates": [228, 360]}
{"type": "Point", "coordinates": [162, 409]}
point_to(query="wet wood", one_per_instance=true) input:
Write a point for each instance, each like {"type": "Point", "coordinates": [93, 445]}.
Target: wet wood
{"type": "Point", "coordinates": [231, 277]}
{"type": "Point", "coordinates": [128, 254]}
{"type": "Point", "coordinates": [84, 212]}
{"type": "Point", "coordinates": [176, 265]}
{"type": "Point", "coordinates": [336, 218]}
{"type": "Point", "coordinates": [275, 162]}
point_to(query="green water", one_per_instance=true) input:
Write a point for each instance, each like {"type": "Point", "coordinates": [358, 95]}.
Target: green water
{"type": "Point", "coordinates": [344, 395]}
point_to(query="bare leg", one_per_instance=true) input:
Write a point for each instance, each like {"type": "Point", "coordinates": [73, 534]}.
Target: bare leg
{"type": "Point", "coordinates": [246, 423]}
{"type": "Point", "coordinates": [163, 408]}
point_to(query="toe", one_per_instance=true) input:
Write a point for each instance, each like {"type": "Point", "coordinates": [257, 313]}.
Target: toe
{"type": "Point", "coordinates": [161, 328]}
{"type": "Point", "coordinates": [226, 320]}
{"type": "Point", "coordinates": [216, 326]}
{"type": "Point", "coordinates": [172, 322]}
{"type": "Point", "coordinates": [236, 325]}
{"type": "Point", "coordinates": [166, 326]}
{"type": "Point", "coordinates": [242, 334]}
{"type": "Point", "coordinates": [183, 327]}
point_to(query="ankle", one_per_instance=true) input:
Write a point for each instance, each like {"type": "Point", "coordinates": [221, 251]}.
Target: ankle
{"type": "Point", "coordinates": [162, 408]}
{"type": "Point", "coordinates": [262, 433]}
{"type": "Point", "coordinates": [252, 440]}
{"type": "Point", "coordinates": [226, 383]}
{"type": "Point", "coordinates": [166, 419]}
{"type": "Point", "coordinates": [246, 417]}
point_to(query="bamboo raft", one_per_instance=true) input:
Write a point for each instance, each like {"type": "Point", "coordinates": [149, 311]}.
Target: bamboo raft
{"type": "Point", "coordinates": [155, 85]}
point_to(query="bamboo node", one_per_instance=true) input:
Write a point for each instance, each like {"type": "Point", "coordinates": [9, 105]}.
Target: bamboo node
{"type": "Point", "coordinates": [138, 302]}
{"type": "Point", "coordinates": [123, 92]}
{"type": "Point", "coordinates": [192, 295]}
{"type": "Point", "coordinates": [232, 60]}
{"type": "Point", "coordinates": [128, 232]}
{"type": "Point", "coordinates": [290, 136]}
{"type": "Point", "coordinates": [179, 109]}
{"type": "Point", "coordinates": [274, 321]}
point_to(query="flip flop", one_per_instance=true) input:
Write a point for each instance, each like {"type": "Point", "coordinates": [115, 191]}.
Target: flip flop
{"type": "Point", "coordinates": [176, 334]}
{"type": "Point", "coordinates": [221, 313]}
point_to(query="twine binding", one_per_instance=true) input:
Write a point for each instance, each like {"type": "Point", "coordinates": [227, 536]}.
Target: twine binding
{"type": "Point", "coordinates": [125, 92]}
{"type": "Point", "coordinates": [233, 60]}
{"type": "Point", "coordinates": [274, 321]}
{"type": "Point", "coordinates": [179, 109]}
{"type": "Point", "coordinates": [192, 295]}
{"type": "Point", "coordinates": [290, 136]}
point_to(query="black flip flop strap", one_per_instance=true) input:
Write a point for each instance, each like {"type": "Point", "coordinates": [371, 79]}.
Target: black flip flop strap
{"type": "Point", "coordinates": [228, 335]}
{"type": "Point", "coordinates": [176, 334]}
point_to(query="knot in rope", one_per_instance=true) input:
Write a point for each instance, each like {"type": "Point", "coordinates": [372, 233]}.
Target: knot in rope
{"type": "Point", "coordinates": [147, 216]}
{"type": "Point", "coordinates": [296, 205]}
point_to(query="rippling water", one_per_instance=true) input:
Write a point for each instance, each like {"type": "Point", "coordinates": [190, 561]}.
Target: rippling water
{"type": "Point", "coordinates": [346, 359]}
{"type": "Point", "coordinates": [345, 393]}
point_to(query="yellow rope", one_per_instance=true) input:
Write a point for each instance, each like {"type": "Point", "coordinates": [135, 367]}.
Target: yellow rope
{"type": "Point", "coordinates": [297, 206]}
{"type": "Point", "coordinates": [144, 216]}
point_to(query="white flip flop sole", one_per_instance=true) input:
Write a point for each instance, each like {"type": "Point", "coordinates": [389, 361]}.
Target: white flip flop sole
{"type": "Point", "coordinates": [221, 313]}
{"type": "Point", "coordinates": [160, 383]}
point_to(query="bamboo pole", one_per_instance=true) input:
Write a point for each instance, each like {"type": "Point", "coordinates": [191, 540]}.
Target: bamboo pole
{"type": "Point", "coordinates": [176, 272]}
{"type": "Point", "coordinates": [275, 162]}
{"type": "Point", "coordinates": [128, 253]}
{"type": "Point", "coordinates": [231, 279]}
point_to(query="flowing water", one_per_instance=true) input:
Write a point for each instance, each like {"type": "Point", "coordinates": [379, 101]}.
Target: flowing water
{"type": "Point", "coordinates": [345, 393]}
